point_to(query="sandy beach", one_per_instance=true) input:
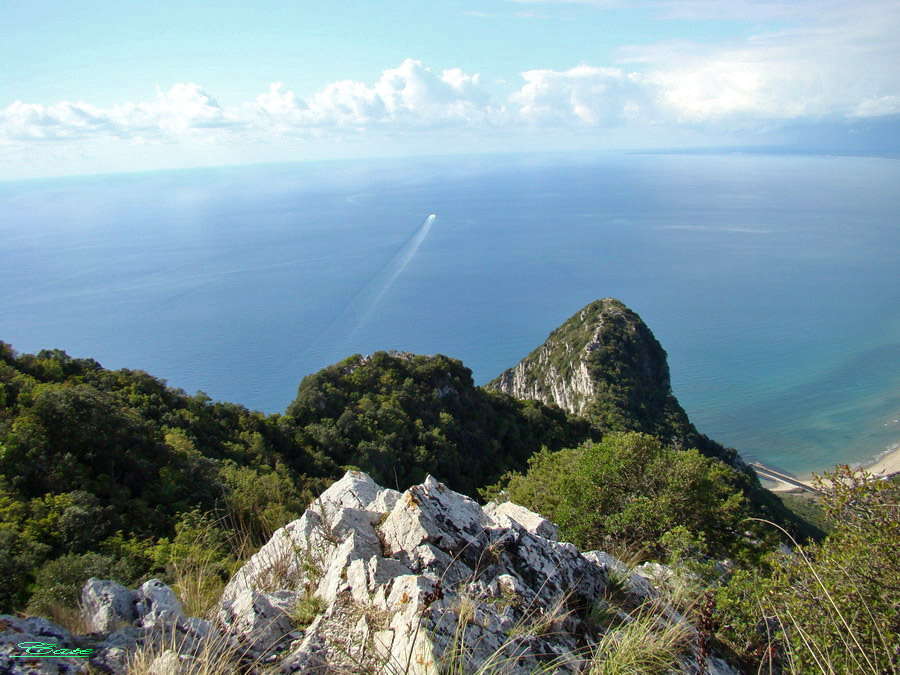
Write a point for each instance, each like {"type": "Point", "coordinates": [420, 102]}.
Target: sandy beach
{"type": "Point", "coordinates": [887, 464]}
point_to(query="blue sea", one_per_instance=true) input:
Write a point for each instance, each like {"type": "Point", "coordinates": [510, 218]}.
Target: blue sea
{"type": "Point", "coordinates": [771, 281]}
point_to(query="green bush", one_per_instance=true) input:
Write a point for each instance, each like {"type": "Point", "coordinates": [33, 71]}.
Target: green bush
{"type": "Point", "coordinates": [630, 489]}
{"type": "Point", "coordinates": [60, 581]}
{"type": "Point", "coordinates": [402, 416]}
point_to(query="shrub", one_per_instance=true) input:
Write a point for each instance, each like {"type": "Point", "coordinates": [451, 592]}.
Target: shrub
{"type": "Point", "coordinates": [59, 581]}
{"type": "Point", "coordinates": [630, 489]}
{"type": "Point", "coordinates": [832, 606]}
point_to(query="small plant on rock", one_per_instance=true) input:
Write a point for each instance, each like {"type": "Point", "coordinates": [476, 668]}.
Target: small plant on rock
{"type": "Point", "coordinates": [306, 609]}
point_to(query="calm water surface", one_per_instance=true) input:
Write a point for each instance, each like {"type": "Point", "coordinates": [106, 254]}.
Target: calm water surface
{"type": "Point", "coordinates": [772, 282]}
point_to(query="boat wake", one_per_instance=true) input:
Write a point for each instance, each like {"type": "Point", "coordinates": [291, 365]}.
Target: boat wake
{"type": "Point", "coordinates": [366, 301]}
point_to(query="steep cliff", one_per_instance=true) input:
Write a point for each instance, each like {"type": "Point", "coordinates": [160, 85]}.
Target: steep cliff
{"type": "Point", "coordinates": [605, 364]}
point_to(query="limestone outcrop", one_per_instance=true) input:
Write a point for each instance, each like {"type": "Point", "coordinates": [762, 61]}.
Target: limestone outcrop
{"type": "Point", "coordinates": [570, 367]}
{"type": "Point", "coordinates": [372, 580]}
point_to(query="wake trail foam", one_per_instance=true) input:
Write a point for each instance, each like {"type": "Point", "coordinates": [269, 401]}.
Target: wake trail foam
{"type": "Point", "coordinates": [369, 297]}
{"type": "Point", "coordinates": [402, 259]}
{"type": "Point", "coordinates": [390, 272]}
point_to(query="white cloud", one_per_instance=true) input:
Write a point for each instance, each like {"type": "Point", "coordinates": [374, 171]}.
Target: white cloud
{"type": "Point", "coordinates": [878, 106]}
{"type": "Point", "coordinates": [30, 121]}
{"type": "Point", "coordinates": [184, 108]}
{"type": "Point", "coordinates": [839, 61]}
{"type": "Point", "coordinates": [585, 95]}
{"type": "Point", "coordinates": [826, 68]}
{"type": "Point", "coordinates": [409, 96]}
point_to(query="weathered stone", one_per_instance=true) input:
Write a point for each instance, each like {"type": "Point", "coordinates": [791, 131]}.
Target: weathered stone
{"type": "Point", "coordinates": [432, 513]}
{"type": "Point", "coordinates": [259, 621]}
{"type": "Point", "coordinates": [356, 490]}
{"type": "Point", "coordinates": [503, 513]}
{"type": "Point", "coordinates": [385, 501]}
{"type": "Point", "coordinates": [124, 638]}
{"type": "Point", "coordinates": [611, 563]}
{"type": "Point", "coordinates": [167, 663]}
{"type": "Point", "coordinates": [112, 660]}
{"type": "Point", "coordinates": [422, 582]}
{"type": "Point", "coordinates": [157, 605]}
{"type": "Point", "coordinates": [303, 548]}
{"type": "Point", "coordinates": [15, 636]}
{"type": "Point", "coordinates": [108, 605]}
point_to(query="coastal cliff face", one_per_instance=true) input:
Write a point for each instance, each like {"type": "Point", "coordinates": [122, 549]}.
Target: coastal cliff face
{"type": "Point", "coordinates": [603, 363]}
{"type": "Point", "coordinates": [559, 370]}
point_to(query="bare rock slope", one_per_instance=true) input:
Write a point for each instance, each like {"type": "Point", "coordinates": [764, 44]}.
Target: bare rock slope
{"type": "Point", "coordinates": [425, 581]}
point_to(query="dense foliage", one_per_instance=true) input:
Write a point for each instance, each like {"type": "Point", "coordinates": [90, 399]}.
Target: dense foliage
{"type": "Point", "coordinates": [97, 467]}
{"type": "Point", "coordinates": [401, 416]}
{"type": "Point", "coordinates": [629, 490]}
{"type": "Point", "coordinates": [818, 606]}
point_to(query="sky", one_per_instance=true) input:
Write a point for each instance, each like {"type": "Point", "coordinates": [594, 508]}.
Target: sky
{"type": "Point", "coordinates": [98, 86]}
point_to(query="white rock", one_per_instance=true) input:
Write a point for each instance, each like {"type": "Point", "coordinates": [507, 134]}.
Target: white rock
{"type": "Point", "coordinates": [502, 513]}
{"type": "Point", "coordinates": [407, 582]}
{"type": "Point", "coordinates": [157, 605]}
{"type": "Point", "coordinates": [259, 621]}
{"type": "Point", "coordinates": [286, 560]}
{"type": "Point", "coordinates": [167, 663]}
{"type": "Point", "coordinates": [107, 605]}
{"type": "Point", "coordinates": [304, 547]}
{"type": "Point", "coordinates": [385, 501]}
{"type": "Point", "coordinates": [432, 513]}
{"type": "Point", "coordinates": [381, 571]}
{"type": "Point", "coordinates": [356, 546]}
{"type": "Point", "coordinates": [355, 491]}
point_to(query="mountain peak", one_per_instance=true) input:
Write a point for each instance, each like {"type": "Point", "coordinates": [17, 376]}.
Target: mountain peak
{"type": "Point", "coordinates": [603, 363]}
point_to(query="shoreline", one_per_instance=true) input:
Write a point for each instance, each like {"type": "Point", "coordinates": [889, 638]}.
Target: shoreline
{"type": "Point", "coordinates": [886, 464]}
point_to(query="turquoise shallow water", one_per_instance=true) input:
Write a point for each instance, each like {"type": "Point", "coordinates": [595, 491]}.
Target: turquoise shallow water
{"type": "Point", "coordinates": [770, 281]}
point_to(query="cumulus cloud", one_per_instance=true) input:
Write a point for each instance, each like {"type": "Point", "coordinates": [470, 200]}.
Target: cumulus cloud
{"type": "Point", "coordinates": [409, 95]}
{"type": "Point", "coordinates": [829, 67]}
{"type": "Point", "coordinates": [184, 108]}
{"type": "Point", "coordinates": [187, 106]}
{"type": "Point", "coordinates": [29, 121]}
{"type": "Point", "coordinates": [842, 63]}
{"type": "Point", "coordinates": [584, 95]}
